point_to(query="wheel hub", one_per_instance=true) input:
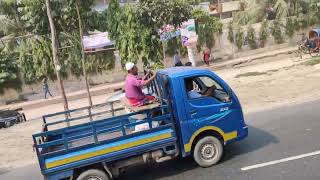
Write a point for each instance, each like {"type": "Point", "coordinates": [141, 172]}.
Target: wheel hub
{"type": "Point", "coordinates": [208, 151]}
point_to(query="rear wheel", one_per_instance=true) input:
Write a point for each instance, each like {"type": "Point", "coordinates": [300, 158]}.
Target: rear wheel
{"type": "Point", "coordinates": [314, 52]}
{"type": "Point", "coordinates": [303, 49]}
{"type": "Point", "coordinates": [93, 174]}
{"type": "Point", "coordinates": [24, 117]}
{"type": "Point", "coordinates": [208, 151]}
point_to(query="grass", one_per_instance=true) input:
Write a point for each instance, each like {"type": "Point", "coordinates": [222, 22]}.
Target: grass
{"type": "Point", "coordinates": [251, 74]}
{"type": "Point", "coordinates": [313, 61]}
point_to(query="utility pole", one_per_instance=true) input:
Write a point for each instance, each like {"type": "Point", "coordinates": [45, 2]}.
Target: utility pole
{"type": "Point", "coordinates": [164, 54]}
{"type": "Point", "coordinates": [83, 55]}
{"type": "Point", "coordinates": [55, 55]}
{"type": "Point", "coordinates": [220, 9]}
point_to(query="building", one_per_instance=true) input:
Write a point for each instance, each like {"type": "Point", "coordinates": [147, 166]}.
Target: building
{"type": "Point", "coordinates": [223, 9]}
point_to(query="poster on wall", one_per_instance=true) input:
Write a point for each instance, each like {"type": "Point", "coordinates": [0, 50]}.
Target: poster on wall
{"type": "Point", "coordinates": [168, 32]}
{"type": "Point", "coordinates": [95, 41]}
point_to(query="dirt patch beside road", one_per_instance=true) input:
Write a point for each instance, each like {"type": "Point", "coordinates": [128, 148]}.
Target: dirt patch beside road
{"type": "Point", "coordinates": [284, 81]}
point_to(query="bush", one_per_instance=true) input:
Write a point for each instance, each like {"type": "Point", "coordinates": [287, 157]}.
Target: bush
{"type": "Point", "coordinates": [251, 36]}
{"type": "Point", "coordinates": [230, 33]}
{"type": "Point", "coordinates": [239, 38]}
{"type": "Point", "coordinates": [303, 21]}
{"type": "Point", "coordinates": [263, 33]}
{"type": "Point", "coordinates": [276, 32]}
{"type": "Point", "coordinates": [290, 27]}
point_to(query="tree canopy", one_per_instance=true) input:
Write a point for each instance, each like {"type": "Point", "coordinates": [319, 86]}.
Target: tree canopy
{"type": "Point", "coordinates": [133, 27]}
{"type": "Point", "coordinates": [32, 50]}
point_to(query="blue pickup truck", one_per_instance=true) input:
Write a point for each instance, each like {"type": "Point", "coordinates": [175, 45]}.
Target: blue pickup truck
{"type": "Point", "coordinates": [185, 122]}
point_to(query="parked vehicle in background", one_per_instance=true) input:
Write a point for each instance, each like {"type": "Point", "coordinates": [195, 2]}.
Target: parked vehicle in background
{"type": "Point", "coordinates": [10, 117]}
{"type": "Point", "coordinates": [311, 43]}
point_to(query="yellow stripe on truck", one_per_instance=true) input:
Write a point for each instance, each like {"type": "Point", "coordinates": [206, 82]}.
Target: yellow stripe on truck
{"type": "Point", "coordinates": [107, 150]}
{"type": "Point", "coordinates": [226, 136]}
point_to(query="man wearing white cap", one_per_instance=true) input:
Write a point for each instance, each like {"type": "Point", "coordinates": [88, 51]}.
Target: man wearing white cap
{"type": "Point", "coordinates": [134, 85]}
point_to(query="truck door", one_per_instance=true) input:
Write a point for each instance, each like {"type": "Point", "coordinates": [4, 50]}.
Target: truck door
{"type": "Point", "coordinates": [203, 108]}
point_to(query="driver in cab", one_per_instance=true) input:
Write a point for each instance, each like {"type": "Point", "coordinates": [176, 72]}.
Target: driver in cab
{"type": "Point", "coordinates": [193, 93]}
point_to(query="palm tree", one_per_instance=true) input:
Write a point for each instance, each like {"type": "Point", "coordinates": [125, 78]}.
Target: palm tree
{"type": "Point", "coordinates": [255, 10]}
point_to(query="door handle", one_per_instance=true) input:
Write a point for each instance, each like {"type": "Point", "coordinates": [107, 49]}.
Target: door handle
{"type": "Point", "coordinates": [193, 112]}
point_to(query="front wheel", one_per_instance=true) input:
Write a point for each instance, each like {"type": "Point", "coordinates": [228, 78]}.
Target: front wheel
{"type": "Point", "coordinates": [93, 174]}
{"type": "Point", "coordinates": [7, 124]}
{"type": "Point", "coordinates": [208, 151]}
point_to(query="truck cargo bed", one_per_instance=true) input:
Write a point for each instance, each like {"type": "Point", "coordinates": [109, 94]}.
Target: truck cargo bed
{"type": "Point", "coordinates": [104, 140]}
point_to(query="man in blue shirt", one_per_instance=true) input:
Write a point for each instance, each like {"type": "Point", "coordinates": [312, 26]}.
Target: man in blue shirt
{"type": "Point", "coordinates": [176, 59]}
{"type": "Point", "coordinates": [193, 93]}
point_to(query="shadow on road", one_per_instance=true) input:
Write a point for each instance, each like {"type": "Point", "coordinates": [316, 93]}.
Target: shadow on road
{"type": "Point", "coordinates": [256, 140]}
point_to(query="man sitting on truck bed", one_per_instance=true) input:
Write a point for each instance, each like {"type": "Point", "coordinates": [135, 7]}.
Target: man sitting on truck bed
{"type": "Point", "coordinates": [134, 85]}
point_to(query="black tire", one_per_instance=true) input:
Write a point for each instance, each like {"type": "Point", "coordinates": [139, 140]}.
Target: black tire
{"type": "Point", "coordinates": [208, 151]}
{"type": "Point", "coordinates": [314, 53]}
{"type": "Point", "coordinates": [24, 117]}
{"type": "Point", "coordinates": [93, 174]}
{"type": "Point", "coordinates": [7, 124]}
{"type": "Point", "coordinates": [18, 120]}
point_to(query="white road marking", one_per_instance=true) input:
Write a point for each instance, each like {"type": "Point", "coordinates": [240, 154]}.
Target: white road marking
{"type": "Point", "coordinates": [280, 161]}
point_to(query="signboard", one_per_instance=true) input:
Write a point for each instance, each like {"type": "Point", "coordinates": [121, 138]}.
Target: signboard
{"type": "Point", "coordinates": [96, 41]}
{"type": "Point", "coordinates": [189, 36]}
{"type": "Point", "coordinates": [168, 32]}
{"type": "Point", "coordinates": [187, 31]}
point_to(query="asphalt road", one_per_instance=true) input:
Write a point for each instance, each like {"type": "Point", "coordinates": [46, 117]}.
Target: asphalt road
{"type": "Point", "coordinates": [288, 134]}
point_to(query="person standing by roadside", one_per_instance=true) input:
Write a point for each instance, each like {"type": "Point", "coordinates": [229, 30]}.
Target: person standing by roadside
{"type": "Point", "coordinates": [206, 56]}
{"type": "Point", "coordinates": [176, 59]}
{"type": "Point", "coordinates": [45, 87]}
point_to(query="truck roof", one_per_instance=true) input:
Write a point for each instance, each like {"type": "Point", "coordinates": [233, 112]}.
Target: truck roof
{"type": "Point", "coordinates": [174, 72]}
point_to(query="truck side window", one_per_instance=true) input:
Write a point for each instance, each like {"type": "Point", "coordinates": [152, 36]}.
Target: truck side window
{"type": "Point", "coordinates": [191, 89]}
{"type": "Point", "coordinates": [202, 86]}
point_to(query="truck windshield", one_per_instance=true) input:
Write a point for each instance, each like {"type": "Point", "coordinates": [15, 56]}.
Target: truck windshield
{"type": "Point", "coordinates": [208, 82]}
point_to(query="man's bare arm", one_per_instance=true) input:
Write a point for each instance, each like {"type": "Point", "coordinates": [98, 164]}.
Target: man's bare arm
{"type": "Point", "coordinates": [148, 81]}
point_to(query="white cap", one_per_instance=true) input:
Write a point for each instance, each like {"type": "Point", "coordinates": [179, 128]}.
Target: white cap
{"type": "Point", "coordinates": [129, 66]}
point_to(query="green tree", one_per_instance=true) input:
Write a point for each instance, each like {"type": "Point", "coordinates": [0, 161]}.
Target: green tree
{"type": "Point", "coordinates": [154, 14]}
{"type": "Point", "coordinates": [128, 38]}
{"type": "Point", "coordinates": [290, 27]}
{"type": "Point", "coordinates": [113, 15]}
{"type": "Point", "coordinates": [138, 28]}
{"type": "Point", "coordinates": [208, 26]}
{"type": "Point", "coordinates": [33, 53]}
{"type": "Point", "coordinates": [8, 68]}
{"type": "Point", "coordinates": [255, 10]}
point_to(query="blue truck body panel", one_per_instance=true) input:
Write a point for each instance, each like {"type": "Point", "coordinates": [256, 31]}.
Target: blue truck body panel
{"type": "Point", "coordinates": [225, 118]}
{"type": "Point", "coordinates": [109, 139]}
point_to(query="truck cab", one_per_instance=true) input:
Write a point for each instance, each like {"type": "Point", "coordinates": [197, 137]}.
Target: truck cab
{"type": "Point", "coordinates": [219, 114]}
{"type": "Point", "coordinates": [197, 115]}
